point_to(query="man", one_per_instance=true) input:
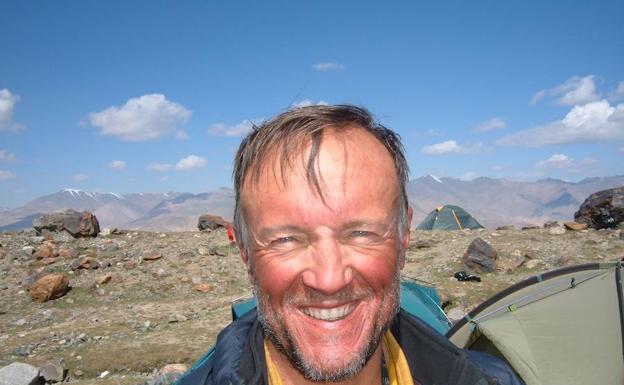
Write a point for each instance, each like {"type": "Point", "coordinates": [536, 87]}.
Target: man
{"type": "Point", "coordinates": [322, 224]}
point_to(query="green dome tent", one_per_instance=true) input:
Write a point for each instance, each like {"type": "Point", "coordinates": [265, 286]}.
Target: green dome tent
{"type": "Point", "coordinates": [449, 217]}
{"type": "Point", "coordinates": [563, 327]}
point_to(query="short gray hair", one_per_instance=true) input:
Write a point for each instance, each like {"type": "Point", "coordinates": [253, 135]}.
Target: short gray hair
{"type": "Point", "coordinates": [290, 132]}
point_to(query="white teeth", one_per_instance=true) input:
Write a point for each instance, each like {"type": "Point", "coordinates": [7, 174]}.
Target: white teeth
{"type": "Point", "coordinates": [329, 314]}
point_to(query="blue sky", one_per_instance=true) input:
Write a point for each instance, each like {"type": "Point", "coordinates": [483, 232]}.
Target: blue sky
{"type": "Point", "coordinates": [155, 95]}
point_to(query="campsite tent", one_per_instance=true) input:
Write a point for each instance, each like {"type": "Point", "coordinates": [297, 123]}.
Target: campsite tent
{"type": "Point", "coordinates": [449, 217]}
{"type": "Point", "coordinates": [561, 327]}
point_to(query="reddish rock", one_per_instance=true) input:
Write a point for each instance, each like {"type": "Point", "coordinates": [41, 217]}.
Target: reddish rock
{"type": "Point", "coordinates": [50, 287]}
{"type": "Point", "coordinates": [44, 251]}
{"type": "Point", "coordinates": [575, 226]}
{"type": "Point", "coordinates": [202, 287]}
{"type": "Point", "coordinates": [152, 257]}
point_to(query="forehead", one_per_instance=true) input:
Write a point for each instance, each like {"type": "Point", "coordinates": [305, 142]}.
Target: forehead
{"type": "Point", "coordinates": [348, 161]}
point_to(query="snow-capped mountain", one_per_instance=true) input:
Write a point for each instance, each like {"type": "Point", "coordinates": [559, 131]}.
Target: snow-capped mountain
{"type": "Point", "coordinates": [492, 201]}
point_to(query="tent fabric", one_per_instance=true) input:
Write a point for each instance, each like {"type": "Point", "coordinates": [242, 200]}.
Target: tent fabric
{"type": "Point", "coordinates": [449, 217]}
{"type": "Point", "coordinates": [564, 329]}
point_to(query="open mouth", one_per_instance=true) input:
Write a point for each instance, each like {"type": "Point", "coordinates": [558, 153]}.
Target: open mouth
{"type": "Point", "coordinates": [331, 314]}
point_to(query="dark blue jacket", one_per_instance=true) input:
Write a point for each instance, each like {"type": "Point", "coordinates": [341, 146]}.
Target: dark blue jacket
{"type": "Point", "coordinates": [238, 357]}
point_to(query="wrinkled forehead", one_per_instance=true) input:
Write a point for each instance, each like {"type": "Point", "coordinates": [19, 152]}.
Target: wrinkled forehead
{"type": "Point", "coordinates": [343, 154]}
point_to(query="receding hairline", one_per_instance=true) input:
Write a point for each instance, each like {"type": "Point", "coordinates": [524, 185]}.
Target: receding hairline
{"type": "Point", "coordinates": [282, 162]}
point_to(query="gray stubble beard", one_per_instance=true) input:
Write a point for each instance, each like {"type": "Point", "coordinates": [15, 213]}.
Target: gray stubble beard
{"type": "Point", "coordinates": [284, 342]}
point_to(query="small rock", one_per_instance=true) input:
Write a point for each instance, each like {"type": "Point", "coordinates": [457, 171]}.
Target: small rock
{"type": "Point", "coordinates": [47, 314]}
{"type": "Point", "coordinates": [421, 244]}
{"type": "Point", "coordinates": [104, 374]}
{"type": "Point", "coordinates": [104, 279]}
{"type": "Point", "coordinates": [19, 373]}
{"type": "Point", "coordinates": [50, 287]}
{"type": "Point", "coordinates": [45, 251]}
{"type": "Point", "coordinates": [563, 260]}
{"type": "Point", "coordinates": [532, 264]}
{"type": "Point", "coordinates": [67, 253]}
{"type": "Point", "coordinates": [505, 228]}
{"type": "Point", "coordinates": [455, 314]}
{"type": "Point", "coordinates": [202, 287]}
{"type": "Point", "coordinates": [550, 224]}
{"type": "Point", "coordinates": [53, 371]}
{"type": "Point", "coordinates": [556, 230]}
{"type": "Point", "coordinates": [78, 373]}
{"type": "Point", "coordinates": [20, 322]}
{"type": "Point", "coordinates": [181, 317]}
{"type": "Point", "coordinates": [180, 368]}
{"type": "Point", "coordinates": [575, 226]}
{"type": "Point", "coordinates": [530, 227]}
{"type": "Point", "coordinates": [152, 257]}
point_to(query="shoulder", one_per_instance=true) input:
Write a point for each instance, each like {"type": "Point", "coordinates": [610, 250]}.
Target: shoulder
{"type": "Point", "coordinates": [222, 361]}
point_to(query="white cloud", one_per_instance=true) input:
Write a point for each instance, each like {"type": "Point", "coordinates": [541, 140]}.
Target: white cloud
{"type": "Point", "coordinates": [80, 177]}
{"type": "Point", "coordinates": [556, 161]}
{"type": "Point", "coordinates": [7, 106]}
{"type": "Point", "coordinates": [539, 95]}
{"type": "Point", "coordinates": [562, 161]}
{"type": "Point", "coordinates": [308, 103]}
{"type": "Point", "coordinates": [468, 176]}
{"type": "Point", "coordinates": [6, 156]}
{"type": "Point", "coordinates": [159, 167]}
{"type": "Point", "coordinates": [144, 118]}
{"type": "Point", "coordinates": [576, 90]}
{"type": "Point", "coordinates": [592, 122]}
{"type": "Point", "coordinates": [239, 129]}
{"type": "Point", "coordinates": [620, 90]}
{"type": "Point", "coordinates": [450, 147]}
{"type": "Point", "coordinates": [191, 162]}
{"type": "Point", "coordinates": [328, 66]}
{"type": "Point", "coordinates": [6, 175]}
{"type": "Point", "coordinates": [491, 124]}
{"type": "Point", "coordinates": [117, 165]}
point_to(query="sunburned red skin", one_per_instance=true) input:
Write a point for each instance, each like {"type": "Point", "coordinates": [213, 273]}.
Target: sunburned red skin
{"type": "Point", "coordinates": [326, 270]}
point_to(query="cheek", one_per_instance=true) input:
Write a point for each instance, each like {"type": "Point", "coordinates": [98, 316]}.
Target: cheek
{"type": "Point", "coordinates": [275, 277]}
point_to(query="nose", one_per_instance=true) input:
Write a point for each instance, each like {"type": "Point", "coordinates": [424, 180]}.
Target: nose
{"type": "Point", "coordinates": [329, 270]}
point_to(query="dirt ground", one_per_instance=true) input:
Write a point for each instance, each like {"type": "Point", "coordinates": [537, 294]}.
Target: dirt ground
{"type": "Point", "coordinates": [152, 311]}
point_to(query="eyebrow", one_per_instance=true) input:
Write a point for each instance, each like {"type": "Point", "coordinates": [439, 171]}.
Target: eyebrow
{"type": "Point", "coordinates": [269, 231]}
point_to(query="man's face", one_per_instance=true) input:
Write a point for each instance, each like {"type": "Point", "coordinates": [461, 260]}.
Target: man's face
{"type": "Point", "coordinates": [327, 272]}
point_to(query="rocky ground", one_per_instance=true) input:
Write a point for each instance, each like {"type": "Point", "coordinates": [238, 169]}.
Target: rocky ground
{"type": "Point", "coordinates": [141, 300]}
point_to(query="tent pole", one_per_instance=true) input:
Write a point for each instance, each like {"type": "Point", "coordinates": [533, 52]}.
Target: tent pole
{"type": "Point", "coordinates": [618, 285]}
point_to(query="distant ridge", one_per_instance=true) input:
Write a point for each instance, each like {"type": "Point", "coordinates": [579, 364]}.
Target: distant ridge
{"type": "Point", "coordinates": [491, 201]}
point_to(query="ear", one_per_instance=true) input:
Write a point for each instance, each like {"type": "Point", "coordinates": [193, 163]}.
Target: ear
{"type": "Point", "coordinates": [406, 237]}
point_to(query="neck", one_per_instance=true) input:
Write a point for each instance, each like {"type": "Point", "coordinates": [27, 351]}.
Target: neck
{"type": "Point", "coordinates": [369, 375]}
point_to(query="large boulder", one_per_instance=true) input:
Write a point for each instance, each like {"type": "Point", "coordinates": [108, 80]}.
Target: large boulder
{"type": "Point", "coordinates": [211, 222]}
{"type": "Point", "coordinates": [19, 373]}
{"type": "Point", "coordinates": [602, 209]}
{"type": "Point", "coordinates": [78, 224]}
{"type": "Point", "coordinates": [480, 256]}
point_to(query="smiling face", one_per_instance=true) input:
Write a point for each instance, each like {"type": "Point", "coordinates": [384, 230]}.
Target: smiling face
{"type": "Point", "coordinates": [326, 270]}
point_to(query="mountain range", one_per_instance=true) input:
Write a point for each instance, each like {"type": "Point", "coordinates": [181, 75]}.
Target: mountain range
{"type": "Point", "coordinates": [493, 202]}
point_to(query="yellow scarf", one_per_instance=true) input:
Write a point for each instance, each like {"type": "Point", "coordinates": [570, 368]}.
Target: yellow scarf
{"type": "Point", "coordinates": [398, 369]}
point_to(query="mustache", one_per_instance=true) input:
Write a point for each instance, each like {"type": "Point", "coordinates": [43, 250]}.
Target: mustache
{"type": "Point", "coordinates": [310, 295]}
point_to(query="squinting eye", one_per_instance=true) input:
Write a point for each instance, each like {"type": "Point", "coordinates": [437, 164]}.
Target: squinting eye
{"type": "Point", "coordinates": [283, 240]}
{"type": "Point", "coordinates": [360, 233]}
